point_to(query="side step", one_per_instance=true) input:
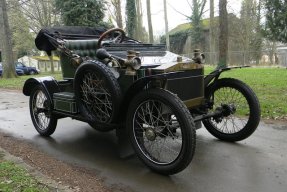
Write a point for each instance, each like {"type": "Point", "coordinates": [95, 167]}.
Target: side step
{"type": "Point", "coordinates": [65, 101]}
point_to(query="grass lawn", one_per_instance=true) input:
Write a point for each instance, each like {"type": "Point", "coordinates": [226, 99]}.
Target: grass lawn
{"type": "Point", "coordinates": [14, 178]}
{"type": "Point", "coordinates": [269, 84]}
{"type": "Point", "coordinates": [18, 83]}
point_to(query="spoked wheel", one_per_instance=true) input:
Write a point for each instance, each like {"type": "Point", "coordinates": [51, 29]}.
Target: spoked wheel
{"type": "Point", "coordinates": [162, 131]}
{"type": "Point", "coordinates": [98, 94]}
{"type": "Point", "coordinates": [245, 115]}
{"type": "Point", "coordinates": [41, 112]}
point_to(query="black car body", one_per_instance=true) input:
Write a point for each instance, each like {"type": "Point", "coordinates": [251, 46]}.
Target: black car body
{"type": "Point", "coordinates": [155, 98]}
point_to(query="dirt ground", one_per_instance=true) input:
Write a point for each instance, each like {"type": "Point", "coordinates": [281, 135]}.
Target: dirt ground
{"type": "Point", "coordinates": [74, 178]}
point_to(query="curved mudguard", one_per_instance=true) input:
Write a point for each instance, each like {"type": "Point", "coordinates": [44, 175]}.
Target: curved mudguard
{"type": "Point", "coordinates": [213, 76]}
{"type": "Point", "coordinates": [49, 84]}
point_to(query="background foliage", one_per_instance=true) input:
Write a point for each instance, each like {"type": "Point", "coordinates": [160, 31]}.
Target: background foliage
{"type": "Point", "coordinates": [131, 20]}
{"type": "Point", "coordinates": [276, 22]}
{"type": "Point", "coordinates": [82, 13]}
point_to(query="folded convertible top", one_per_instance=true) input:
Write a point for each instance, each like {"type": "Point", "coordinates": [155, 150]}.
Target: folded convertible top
{"type": "Point", "coordinates": [45, 40]}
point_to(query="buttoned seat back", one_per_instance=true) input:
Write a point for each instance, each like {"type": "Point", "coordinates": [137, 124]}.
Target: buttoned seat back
{"type": "Point", "coordinates": [80, 47]}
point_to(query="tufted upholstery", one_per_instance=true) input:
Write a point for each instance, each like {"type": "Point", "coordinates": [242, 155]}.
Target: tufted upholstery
{"type": "Point", "coordinates": [80, 47]}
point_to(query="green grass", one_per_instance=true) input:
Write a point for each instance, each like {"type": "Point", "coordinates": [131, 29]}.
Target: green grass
{"type": "Point", "coordinates": [269, 85]}
{"type": "Point", "coordinates": [14, 178]}
{"type": "Point", "coordinates": [18, 83]}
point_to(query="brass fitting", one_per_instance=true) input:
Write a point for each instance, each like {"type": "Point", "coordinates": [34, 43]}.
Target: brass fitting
{"type": "Point", "coordinates": [76, 60]}
{"type": "Point", "coordinates": [198, 57]}
{"type": "Point", "coordinates": [132, 63]}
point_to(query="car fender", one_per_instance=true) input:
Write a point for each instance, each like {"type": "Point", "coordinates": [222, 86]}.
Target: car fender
{"type": "Point", "coordinates": [49, 84]}
{"type": "Point", "coordinates": [214, 75]}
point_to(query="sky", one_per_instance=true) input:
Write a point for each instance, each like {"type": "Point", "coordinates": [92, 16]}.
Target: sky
{"type": "Point", "coordinates": [176, 10]}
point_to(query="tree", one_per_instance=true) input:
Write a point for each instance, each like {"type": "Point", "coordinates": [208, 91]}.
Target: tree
{"type": "Point", "coordinates": [166, 26]}
{"type": "Point", "coordinates": [223, 34]}
{"type": "Point", "coordinates": [276, 22]}
{"type": "Point", "coordinates": [149, 21]}
{"type": "Point", "coordinates": [116, 12]}
{"type": "Point", "coordinates": [130, 17]}
{"type": "Point", "coordinates": [258, 39]}
{"type": "Point", "coordinates": [82, 13]}
{"type": "Point", "coordinates": [197, 8]}
{"type": "Point", "coordinates": [139, 27]}
{"type": "Point", "coordinates": [197, 11]}
{"type": "Point", "coordinates": [211, 32]}
{"type": "Point", "coordinates": [22, 38]}
{"type": "Point", "coordinates": [5, 42]}
{"type": "Point", "coordinates": [249, 33]}
{"type": "Point", "coordinates": [131, 20]}
{"type": "Point", "coordinates": [40, 14]}
{"type": "Point", "coordinates": [246, 27]}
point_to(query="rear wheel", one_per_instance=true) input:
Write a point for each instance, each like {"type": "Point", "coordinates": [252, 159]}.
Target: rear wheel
{"type": "Point", "coordinates": [162, 131]}
{"type": "Point", "coordinates": [246, 116]}
{"type": "Point", "coordinates": [98, 94]}
{"type": "Point", "coordinates": [41, 112]}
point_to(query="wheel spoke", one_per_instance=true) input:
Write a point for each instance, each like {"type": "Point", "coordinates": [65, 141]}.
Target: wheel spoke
{"type": "Point", "coordinates": [234, 122]}
{"type": "Point", "coordinates": [96, 97]}
{"type": "Point", "coordinates": [153, 116]}
{"type": "Point", "coordinates": [40, 111]}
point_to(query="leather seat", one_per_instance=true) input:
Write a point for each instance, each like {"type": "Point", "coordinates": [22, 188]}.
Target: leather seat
{"type": "Point", "coordinates": [80, 47]}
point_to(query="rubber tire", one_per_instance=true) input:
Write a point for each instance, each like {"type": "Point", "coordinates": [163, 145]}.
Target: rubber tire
{"type": "Point", "coordinates": [53, 120]}
{"type": "Point", "coordinates": [187, 128]}
{"type": "Point", "coordinates": [254, 106]}
{"type": "Point", "coordinates": [113, 86]}
{"type": "Point", "coordinates": [32, 72]}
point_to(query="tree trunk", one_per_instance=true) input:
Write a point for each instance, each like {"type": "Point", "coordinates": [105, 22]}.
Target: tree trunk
{"type": "Point", "coordinates": [166, 26]}
{"type": "Point", "coordinates": [139, 27]}
{"type": "Point", "coordinates": [6, 44]}
{"type": "Point", "coordinates": [223, 34]}
{"type": "Point", "coordinates": [116, 12]}
{"type": "Point", "coordinates": [119, 18]}
{"type": "Point", "coordinates": [52, 63]}
{"type": "Point", "coordinates": [131, 21]}
{"type": "Point", "coordinates": [149, 21]}
{"type": "Point", "coordinates": [272, 54]}
{"type": "Point", "coordinates": [259, 33]}
{"type": "Point", "coordinates": [211, 33]}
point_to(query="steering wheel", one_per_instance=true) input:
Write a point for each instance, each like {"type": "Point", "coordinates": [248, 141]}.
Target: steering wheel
{"type": "Point", "coordinates": [118, 39]}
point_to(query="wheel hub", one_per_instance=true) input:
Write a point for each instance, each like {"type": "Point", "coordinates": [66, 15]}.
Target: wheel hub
{"type": "Point", "coordinates": [228, 109]}
{"type": "Point", "coordinates": [150, 134]}
{"type": "Point", "coordinates": [46, 108]}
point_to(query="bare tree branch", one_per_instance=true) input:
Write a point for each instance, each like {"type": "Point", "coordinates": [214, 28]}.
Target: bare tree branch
{"type": "Point", "coordinates": [178, 11]}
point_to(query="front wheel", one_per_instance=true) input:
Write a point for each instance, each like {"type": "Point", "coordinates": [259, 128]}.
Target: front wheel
{"type": "Point", "coordinates": [246, 110]}
{"type": "Point", "coordinates": [41, 112]}
{"type": "Point", "coordinates": [162, 131]}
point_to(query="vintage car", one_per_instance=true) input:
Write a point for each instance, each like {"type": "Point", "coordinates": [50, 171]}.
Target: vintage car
{"type": "Point", "coordinates": [156, 97]}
